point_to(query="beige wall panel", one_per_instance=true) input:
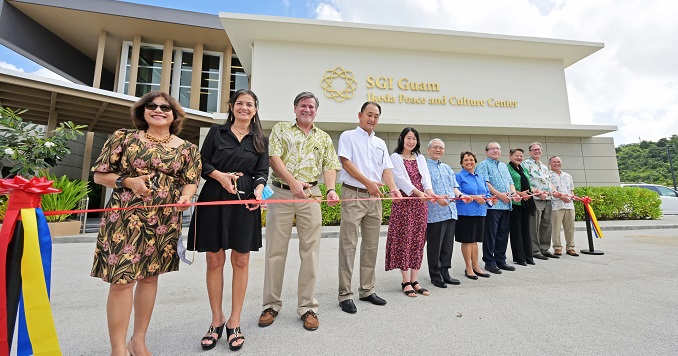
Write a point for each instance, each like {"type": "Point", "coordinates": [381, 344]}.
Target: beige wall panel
{"type": "Point", "coordinates": [527, 139]}
{"type": "Point", "coordinates": [454, 148]}
{"type": "Point", "coordinates": [607, 176]}
{"type": "Point", "coordinates": [452, 137]}
{"type": "Point", "coordinates": [600, 163]}
{"type": "Point", "coordinates": [564, 149]}
{"type": "Point", "coordinates": [563, 139]}
{"type": "Point", "coordinates": [605, 140]}
{"type": "Point", "coordinates": [578, 176]}
{"type": "Point", "coordinates": [598, 150]}
{"type": "Point", "coordinates": [519, 144]}
{"type": "Point", "coordinates": [502, 139]}
{"type": "Point", "coordinates": [571, 162]}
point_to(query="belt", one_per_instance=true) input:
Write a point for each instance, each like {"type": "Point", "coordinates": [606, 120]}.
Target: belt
{"type": "Point", "coordinates": [359, 190]}
{"type": "Point", "coordinates": [287, 187]}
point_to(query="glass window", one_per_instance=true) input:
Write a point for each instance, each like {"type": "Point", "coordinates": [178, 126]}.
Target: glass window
{"type": "Point", "coordinates": [666, 192]}
{"type": "Point", "coordinates": [239, 78]}
{"type": "Point", "coordinates": [209, 81]}
{"type": "Point", "coordinates": [150, 72]}
{"type": "Point", "coordinates": [149, 69]}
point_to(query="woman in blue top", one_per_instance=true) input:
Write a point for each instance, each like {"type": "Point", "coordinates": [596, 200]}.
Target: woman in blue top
{"type": "Point", "coordinates": [471, 210]}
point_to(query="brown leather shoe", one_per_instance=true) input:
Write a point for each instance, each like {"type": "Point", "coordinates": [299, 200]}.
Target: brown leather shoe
{"type": "Point", "coordinates": [572, 253]}
{"type": "Point", "coordinates": [267, 317]}
{"type": "Point", "coordinates": [311, 321]}
{"type": "Point", "coordinates": [558, 252]}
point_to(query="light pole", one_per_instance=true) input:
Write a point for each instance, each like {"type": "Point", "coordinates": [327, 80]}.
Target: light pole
{"type": "Point", "coordinates": [673, 176]}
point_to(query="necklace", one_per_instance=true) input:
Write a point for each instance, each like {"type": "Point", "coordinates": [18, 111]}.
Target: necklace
{"type": "Point", "coordinates": [157, 140]}
{"type": "Point", "coordinates": [240, 133]}
{"type": "Point", "coordinates": [407, 157]}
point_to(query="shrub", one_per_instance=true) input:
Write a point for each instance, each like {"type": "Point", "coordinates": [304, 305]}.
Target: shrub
{"type": "Point", "coordinates": [26, 149]}
{"type": "Point", "coordinates": [619, 203]}
{"type": "Point", "coordinates": [72, 192]}
{"type": "Point", "coordinates": [331, 215]}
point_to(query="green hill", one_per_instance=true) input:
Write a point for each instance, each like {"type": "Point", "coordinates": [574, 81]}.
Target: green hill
{"type": "Point", "coordinates": [647, 161]}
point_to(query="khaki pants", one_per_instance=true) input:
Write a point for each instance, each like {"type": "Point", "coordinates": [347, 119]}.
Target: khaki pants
{"type": "Point", "coordinates": [365, 215]}
{"type": "Point", "coordinates": [540, 227]}
{"type": "Point", "coordinates": [279, 221]}
{"type": "Point", "coordinates": [564, 217]}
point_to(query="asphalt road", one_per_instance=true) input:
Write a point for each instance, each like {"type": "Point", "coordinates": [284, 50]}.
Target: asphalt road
{"type": "Point", "coordinates": [623, 303]}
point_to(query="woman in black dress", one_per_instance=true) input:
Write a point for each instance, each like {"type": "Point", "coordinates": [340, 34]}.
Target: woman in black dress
{"type": "Point", "coordinates": [235, 167]}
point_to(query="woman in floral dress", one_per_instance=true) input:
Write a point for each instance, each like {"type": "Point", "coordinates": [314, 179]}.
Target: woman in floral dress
{"type": "Point", "coordinates": [407, 227]}
{"type": "Point", "coordinates": [145, 167]}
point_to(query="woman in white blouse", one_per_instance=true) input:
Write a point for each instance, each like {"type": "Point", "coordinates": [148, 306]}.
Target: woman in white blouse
{"type": "Point", "coordinates": [407, 227]}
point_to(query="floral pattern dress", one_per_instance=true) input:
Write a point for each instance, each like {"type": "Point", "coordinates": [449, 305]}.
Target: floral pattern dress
{"type": "Point", "coordinates": [139, 243]}
{"type": "Point", "coordinates": [406, 236]}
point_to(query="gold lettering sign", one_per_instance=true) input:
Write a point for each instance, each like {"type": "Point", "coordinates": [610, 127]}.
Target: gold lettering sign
{"type": "Point", "coordinates": [340, 85]}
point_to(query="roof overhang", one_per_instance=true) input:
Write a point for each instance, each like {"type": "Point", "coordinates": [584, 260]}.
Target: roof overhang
{"type": "Point", "coordinates": [492, 130]}
{"type": "Point", "coordinates": [244, 30]}
{"type": "Point", "coordinates": [101, 110]}
{"type": "Point", "coordinates": [79, 23]}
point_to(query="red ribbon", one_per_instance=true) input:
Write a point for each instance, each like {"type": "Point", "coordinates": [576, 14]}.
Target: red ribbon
{"type": "Point", "coordinates": [23, 194]}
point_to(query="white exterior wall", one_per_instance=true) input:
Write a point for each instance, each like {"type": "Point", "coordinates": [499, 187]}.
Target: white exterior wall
{"type": "Point", "coordinates": [280, 70]}
{"type": "Point", "coordinates": [283, 69]}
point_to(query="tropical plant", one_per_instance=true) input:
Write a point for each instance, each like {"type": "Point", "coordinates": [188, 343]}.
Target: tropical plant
{"type": "Point", "coordinates": [72, 192]}
{"type": "Point", "coordinates": [3, 207]}
{"type": "Point", "coordinates": [27, 149]}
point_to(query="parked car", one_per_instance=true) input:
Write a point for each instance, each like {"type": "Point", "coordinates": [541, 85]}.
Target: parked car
{"type": "Point", "coordinates": [668, 196]}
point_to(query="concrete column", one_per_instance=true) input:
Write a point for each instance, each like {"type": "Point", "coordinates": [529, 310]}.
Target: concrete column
{"type": "Point", "coordinates": [100, 59]}
{"type": "Point", "coordinates": [226, 78]}
{"type": "Point", "coordinates": [166, 75]}
{"type": "Point", "coordinates": [87, 156]}
{"type": "Point", "coordinates": [53, 115]}
{"type": "Point", "coordinates": [134, 69]}
{"type": "Point", "coordinates": [195, 78]}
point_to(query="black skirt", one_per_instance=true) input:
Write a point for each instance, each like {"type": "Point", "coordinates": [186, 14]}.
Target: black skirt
{"type": "Point", "coordinates": [469, 229]}
{"type": "Point", "coordinates": [223, 227]}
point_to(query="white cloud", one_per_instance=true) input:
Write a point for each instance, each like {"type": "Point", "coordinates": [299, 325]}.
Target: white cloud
{"type": "Point", "coordinates": [327, 12]}
{"type": "Point", "coordinates": [43, 72]}
{"type": "Point", "coordinates": [10, 66]}
{"type": "Point", "coordinates": [631, 83]}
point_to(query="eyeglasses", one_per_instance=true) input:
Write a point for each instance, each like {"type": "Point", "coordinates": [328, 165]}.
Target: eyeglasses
{"type": "Point", "coordinates": [153, 106]}
{"type": "Point", "coordinates": [494, 149]}
{"type": "Point", "coordinates": [535, 150]}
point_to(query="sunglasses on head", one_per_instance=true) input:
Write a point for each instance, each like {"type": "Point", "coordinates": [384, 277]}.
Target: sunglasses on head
{"type": "Point", "coordinates": [153, 106]}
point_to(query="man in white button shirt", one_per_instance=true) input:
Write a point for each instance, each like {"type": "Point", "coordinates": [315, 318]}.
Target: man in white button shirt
{"type": "Point", "coordinates": [562, 208]}
{"type": "Point", "coordinates": [365, 165]}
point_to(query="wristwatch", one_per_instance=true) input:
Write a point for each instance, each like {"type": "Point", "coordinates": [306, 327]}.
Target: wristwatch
{"type": "Point", "coordinates": [118, 182]}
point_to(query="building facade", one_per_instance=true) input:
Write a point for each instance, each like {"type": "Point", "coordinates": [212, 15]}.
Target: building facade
{"type": "Point", "coordinates": [465, 88]}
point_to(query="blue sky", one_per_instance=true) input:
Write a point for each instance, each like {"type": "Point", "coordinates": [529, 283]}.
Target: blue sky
{"type": "Point", "coordinates": [290, 8]}
{"type": "Point", "coordinates": [631, 83]}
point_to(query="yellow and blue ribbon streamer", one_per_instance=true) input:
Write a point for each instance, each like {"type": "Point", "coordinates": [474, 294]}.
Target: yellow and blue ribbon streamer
{"type": "Point", "coordinates": [24, 347]}
{"type": "Point", "coordinates": [594, 222]}
{"type": "Point", "coordinates": [39, 334]}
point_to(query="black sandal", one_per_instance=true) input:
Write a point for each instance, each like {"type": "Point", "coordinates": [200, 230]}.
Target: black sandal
{"type": "Point", "coordinates": [238, 336]}
{"type": "Point", "coordinates": [410, 293]}
{"type": "Point", "coordinates": [212, 330]}
{"type": "Point", "coordinates": [421, 290]}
